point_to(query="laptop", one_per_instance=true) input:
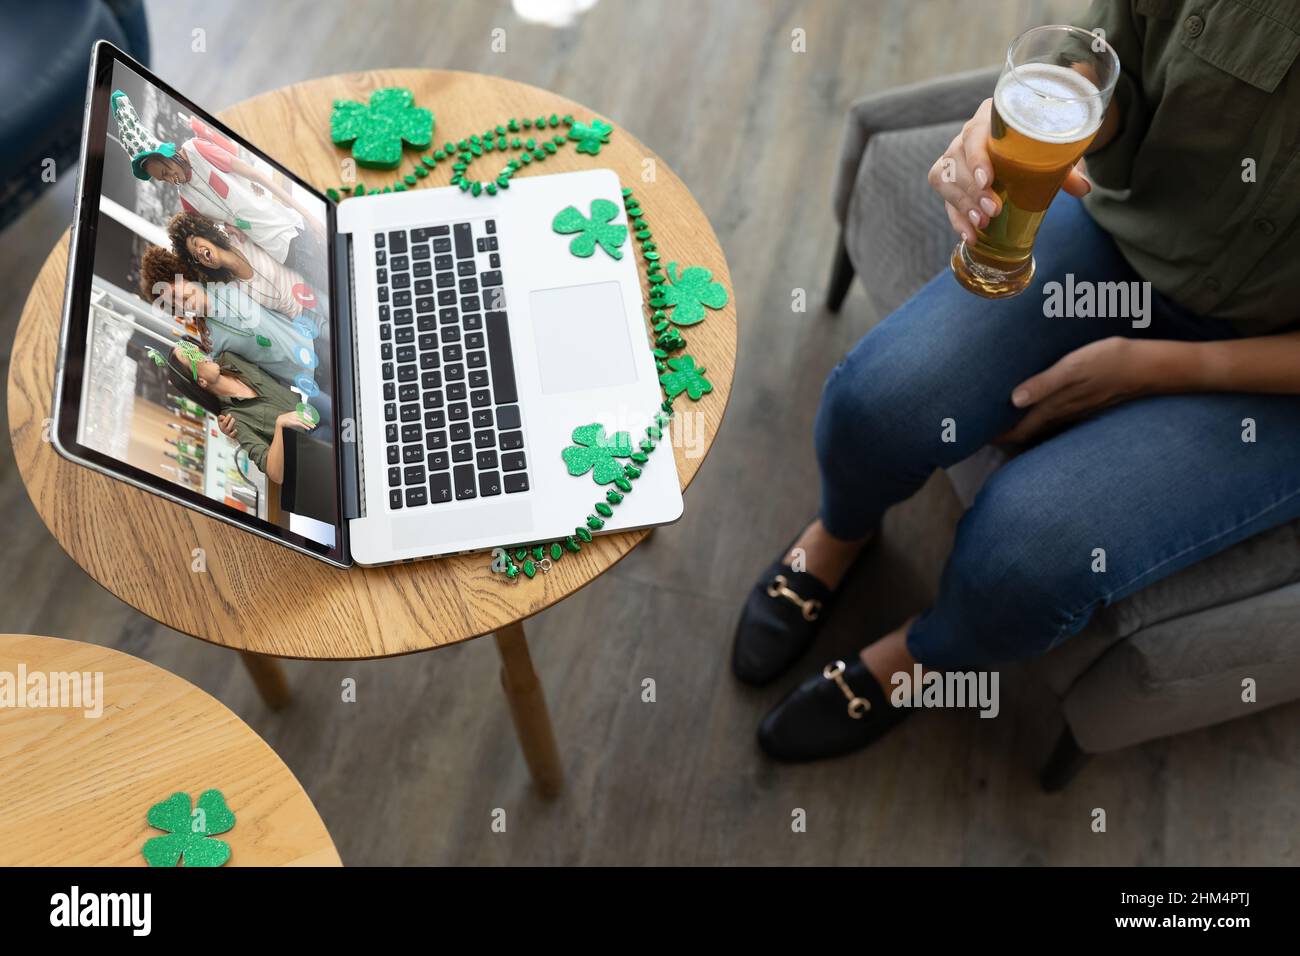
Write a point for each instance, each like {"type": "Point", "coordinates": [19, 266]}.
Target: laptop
{"type": "Point", "coordinates": [389, 378]}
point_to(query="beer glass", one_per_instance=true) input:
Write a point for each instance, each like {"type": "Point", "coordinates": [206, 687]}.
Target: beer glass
{"type": "Point", "coordinates": [1049, 101]}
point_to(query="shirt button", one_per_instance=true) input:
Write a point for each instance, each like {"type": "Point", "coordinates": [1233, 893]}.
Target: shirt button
{"type": "Point", "coordinates": [1211, 283]}
{"type": "Point", "coordinates": [1194, 26]}
{"type": "Point", "coordinates": [1265, 227]}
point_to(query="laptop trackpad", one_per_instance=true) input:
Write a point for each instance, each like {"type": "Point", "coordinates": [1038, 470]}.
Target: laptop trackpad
{"type": "Point", "coordinates": [581, 336]}
{"type": "Point", "coordinates": [504, 517]}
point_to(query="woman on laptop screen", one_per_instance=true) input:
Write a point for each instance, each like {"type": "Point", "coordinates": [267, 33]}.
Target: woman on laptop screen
{"type": "Point", "coordinates": [259, 408]}
{"type": "Point", "coordinates": [222, 256]}
{"type": "Point", "coordinates": [229, 319]}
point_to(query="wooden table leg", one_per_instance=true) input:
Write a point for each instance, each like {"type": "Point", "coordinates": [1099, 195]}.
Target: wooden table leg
{"type": "Point", "coordinates": [528, 710]}
{"type": "Point", "coordinates": [268, 677]}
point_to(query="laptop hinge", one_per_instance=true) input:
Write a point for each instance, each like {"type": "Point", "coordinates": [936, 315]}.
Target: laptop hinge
{"type": "Point", "coordinates": [345, 355]}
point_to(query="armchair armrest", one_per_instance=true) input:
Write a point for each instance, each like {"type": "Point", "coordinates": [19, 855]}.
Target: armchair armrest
{"type": "Point", "coordinates": [942, 100]}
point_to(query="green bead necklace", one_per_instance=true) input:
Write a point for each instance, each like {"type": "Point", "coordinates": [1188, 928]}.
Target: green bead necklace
{"type": "Point", "coordinates": [532, 140]}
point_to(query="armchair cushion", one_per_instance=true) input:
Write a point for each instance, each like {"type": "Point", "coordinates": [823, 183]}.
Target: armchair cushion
{"type": "Point", "coordinates": [895, 230]}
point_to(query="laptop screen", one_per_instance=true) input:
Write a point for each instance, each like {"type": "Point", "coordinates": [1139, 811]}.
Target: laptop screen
{"type": "Point", "coordinates": [199, 348]}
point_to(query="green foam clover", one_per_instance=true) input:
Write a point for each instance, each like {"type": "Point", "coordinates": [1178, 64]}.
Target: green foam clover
{"type": "Point", "coordinates": [590, 232]}
{"type": "Point", "coordinates": [377, 130]}
{"type": "Point", "coordinates": [590, 138]}
{"type": "Point", "coordinates": [593, 451]}
{"type": "Point", "coordinates": [190, 838]}
{"type": "Point", "coordinates": [689, 293]}
{"type": "Point", "coordinates": [683, 376]}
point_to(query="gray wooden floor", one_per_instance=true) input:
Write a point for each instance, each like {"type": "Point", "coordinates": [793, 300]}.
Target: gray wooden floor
{"type": "Point", "coordinates": [412, 772]}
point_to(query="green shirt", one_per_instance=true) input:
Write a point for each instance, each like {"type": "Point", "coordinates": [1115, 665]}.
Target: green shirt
{"type": "Point", "coordinates": [255, 417]}
{"type": "Point", "coordinates": [1200, 186]}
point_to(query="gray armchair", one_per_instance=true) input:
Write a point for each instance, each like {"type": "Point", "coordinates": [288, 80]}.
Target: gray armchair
{"type": "Point", "coordinates": [1172, 657]}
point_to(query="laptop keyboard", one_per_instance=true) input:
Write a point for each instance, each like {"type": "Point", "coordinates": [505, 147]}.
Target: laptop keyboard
{"type": "Point", "coordinates": [452, 425]}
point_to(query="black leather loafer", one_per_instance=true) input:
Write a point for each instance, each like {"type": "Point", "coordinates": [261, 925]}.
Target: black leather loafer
{"type": "Point", "coordinates": [841, 710]}
{"type": "Point", "coordinates": [781, 617]}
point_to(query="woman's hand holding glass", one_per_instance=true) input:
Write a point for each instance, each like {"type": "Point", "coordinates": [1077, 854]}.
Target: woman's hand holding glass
{"type": "Point", "coordinates": [962, 177]}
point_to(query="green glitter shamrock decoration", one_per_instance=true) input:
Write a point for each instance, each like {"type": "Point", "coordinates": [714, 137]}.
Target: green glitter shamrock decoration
{"type": "Point", "coordinates": [597, 229]}
{"type": "Point", "coordinates": [376, 131]}
{"type": "Point", "coordinates": [685, 377]}
{"type": "Point", "coordinates": [690, 293]}
{"type": "Point", "coordinates": [594, 452]}
{"type": "Point", "coordinates": [590, 138]}
{"type": "Point", "coordinates": [190, 836]}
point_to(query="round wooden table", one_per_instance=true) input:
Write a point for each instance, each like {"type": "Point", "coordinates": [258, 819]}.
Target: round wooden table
{"type": "Point", "coordinates": [362, 612]}
{"type": "Point", "coordinates": [76, 788]}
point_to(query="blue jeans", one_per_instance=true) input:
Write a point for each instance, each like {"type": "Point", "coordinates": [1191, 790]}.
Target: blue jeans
{"type": "Point", "coordinates": [1157, 483]}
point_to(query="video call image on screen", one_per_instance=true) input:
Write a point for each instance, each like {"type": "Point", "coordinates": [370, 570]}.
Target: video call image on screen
{"type": "Point", "coordinates": [207, 355]}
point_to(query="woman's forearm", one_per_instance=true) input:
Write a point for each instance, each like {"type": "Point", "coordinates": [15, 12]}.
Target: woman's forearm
{"type": "Point", "coordinates": [275, 456]}
{"type": "Point", "coordinates": [1268, 364]}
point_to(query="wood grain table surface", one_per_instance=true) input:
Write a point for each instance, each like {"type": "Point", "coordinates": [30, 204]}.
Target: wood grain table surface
{"type": "Point", "coordinates": [260, 597]}
{"type": "Point", "coordinates": [75, 788]}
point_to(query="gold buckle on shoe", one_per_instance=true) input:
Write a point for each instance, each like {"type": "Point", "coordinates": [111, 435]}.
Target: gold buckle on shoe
{"type": "Point", "coordinates": [857, 705]}
{"type": "Point", "coordinates": [780, 587]}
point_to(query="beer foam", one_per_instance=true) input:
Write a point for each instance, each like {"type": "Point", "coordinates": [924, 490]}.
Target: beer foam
{"type": "Point", "coordinates": [1049, 103]}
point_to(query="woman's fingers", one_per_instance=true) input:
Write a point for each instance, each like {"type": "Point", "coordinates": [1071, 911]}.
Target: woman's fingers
{"type": "Point", "coordinates": [1025, 430]}
{"type": "Point", "coordinates": [1076, 182]}
{"type": "Point", "coordinates": [1037, 420]}
{"type": "Point", "coordinates": [959, 225]}
{"type": "Point", "coordinates": [975, 135]}
{"type": "Point", "coordinates": [1068, 403]}
{"type": "Point", "coordinates": [975, 147]}
{"type": "Point", "coordinates": [1039, 423]}
{"type": "Point", "coordinates": [963, 175]}
{"type": "Point", "coordinates": [952, 180]}
{"type": "Point", "coordinates": [949, 176]}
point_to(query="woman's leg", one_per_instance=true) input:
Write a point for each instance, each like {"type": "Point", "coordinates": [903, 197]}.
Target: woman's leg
{"type": "Point", "coordinates": [932, 383]}
{"type": "Point", "coordinates": [926, 388]}
{"type": "Point", "coordinates": [1081, 521]}
{"type": "Point", "coordinates": [1102, 510]}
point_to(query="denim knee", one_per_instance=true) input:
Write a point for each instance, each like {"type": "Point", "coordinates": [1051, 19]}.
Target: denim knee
{"type": "Point", "coordinates": [868, 440]}
{"type": "Point", "coordinates": [872, 406]}
{"type": "Point", "coordinates": [1021, 579]}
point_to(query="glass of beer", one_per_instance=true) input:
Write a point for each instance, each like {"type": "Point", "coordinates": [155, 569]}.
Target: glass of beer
{"type": "Point", "coordinates": [1049, 102]}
